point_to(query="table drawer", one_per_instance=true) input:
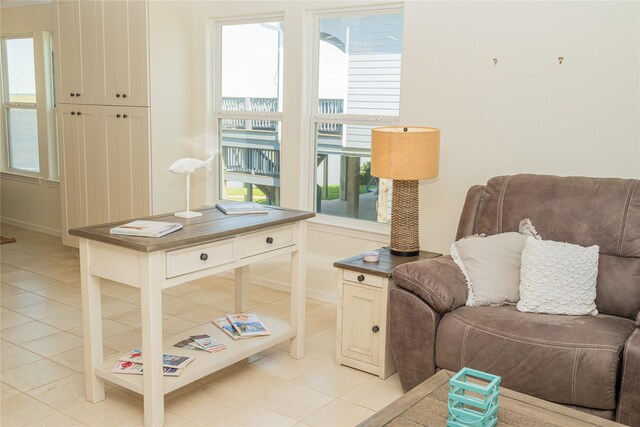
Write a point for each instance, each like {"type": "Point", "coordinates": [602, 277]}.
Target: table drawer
{"type": "Point", "coordinates": [195, 258]}
{"type": "Point", "coordinates": [363, 278]}
{"type": "Point", "coordinates": [265, 241]}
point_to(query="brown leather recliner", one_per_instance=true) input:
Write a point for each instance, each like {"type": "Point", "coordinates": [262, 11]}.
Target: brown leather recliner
{"type": "Point", "coordinates": [591, 363]}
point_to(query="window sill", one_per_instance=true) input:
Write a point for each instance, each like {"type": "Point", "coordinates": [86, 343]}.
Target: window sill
{"type": "Point", "coordinates": [348, 227]}
{"type": "Point", "coordinates": [20, 177]}
{"type": "Point", "coordinates": [52, 183]}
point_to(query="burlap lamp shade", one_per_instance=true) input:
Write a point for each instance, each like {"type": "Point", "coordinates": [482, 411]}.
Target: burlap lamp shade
{"type": "Point", "coordinates": [405, 155]}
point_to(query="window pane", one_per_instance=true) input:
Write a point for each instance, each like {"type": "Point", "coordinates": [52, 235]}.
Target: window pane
{"type": "Point", "coordinates": [250, 160]}
{"type": "Point", "coordinates": [359, 64]}
{"type": "Point", "coordinates": [23, 139]}
{"type": "Point", "coordinates": [344, 185]}
{"type": "Point", "coordinates": [251, 67]}
{"type": "Point", "coordinates": [21, 74]}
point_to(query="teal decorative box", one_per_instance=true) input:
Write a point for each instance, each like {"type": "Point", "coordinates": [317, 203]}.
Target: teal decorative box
{"type": "Point", "coordinates": [473, 399]}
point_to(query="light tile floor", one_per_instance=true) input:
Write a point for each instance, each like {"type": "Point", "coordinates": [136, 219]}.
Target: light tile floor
{"type": "Point", "coordinates": [42, 357]}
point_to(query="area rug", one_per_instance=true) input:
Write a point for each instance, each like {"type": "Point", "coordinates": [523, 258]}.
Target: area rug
{"type": "Point", "coordinates": [4, 240]}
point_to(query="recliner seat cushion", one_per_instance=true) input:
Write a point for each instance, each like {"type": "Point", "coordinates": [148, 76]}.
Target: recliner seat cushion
{"type": "Point", "coordinates": [564, 359]}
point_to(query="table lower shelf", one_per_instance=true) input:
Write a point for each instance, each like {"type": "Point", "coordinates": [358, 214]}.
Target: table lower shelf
{"type": "Point", "coordinates": [204, 363]}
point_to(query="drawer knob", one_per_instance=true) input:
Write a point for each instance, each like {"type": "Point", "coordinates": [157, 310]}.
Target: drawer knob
{"type": "Point", "coordinates": [124, 95]}
{"type": "Point", "coordinates": [117, 116]}
{"type": "Point", "coordinates": [375, 329]}
{"type": "Point", "coordinates": [73, 113]}
{"type": "Point", "coordinates": [124, 116]}
{"type": "Point", "coordinates": [73, 94]}
{"type": "Point", "coordinates": [204, 256]}
{"type": "Point", "coordinates": [77, 94]}
{"type": "Point", "coordinates": [361, 278]}
{"type": "Point", "coordinates": [117, 95]}
{"type": "Point", "coordinates": [269, 240]}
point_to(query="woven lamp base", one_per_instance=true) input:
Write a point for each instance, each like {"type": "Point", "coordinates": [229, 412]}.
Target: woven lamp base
{"type": "Point", "coordinates": [405, 239]}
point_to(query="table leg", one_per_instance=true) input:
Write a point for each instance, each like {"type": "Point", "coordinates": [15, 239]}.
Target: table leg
{"type": "Point", "coordinates": [92, 325]}
{"type": "Point", "coordinates": [242, 288]}
{"type": "Point", "coordinates": [298, 294]}
{"type": "Point", "coordinates": [151, 310]}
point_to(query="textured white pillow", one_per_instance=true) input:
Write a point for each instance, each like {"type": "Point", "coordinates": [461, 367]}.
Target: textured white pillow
{"type": "Point", "coordinates": [558, 278]}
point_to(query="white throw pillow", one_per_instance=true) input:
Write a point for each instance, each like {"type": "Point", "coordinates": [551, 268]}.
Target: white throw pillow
{"type": "Point", "coordinates": [558, 278]}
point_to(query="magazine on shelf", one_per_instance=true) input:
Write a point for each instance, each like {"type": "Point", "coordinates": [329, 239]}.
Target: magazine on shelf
{"type": "Point", "coordinates": [146, 228]}
{"type": "Point", "coordinates": [225, 326]}
{"type": "Point", "coordinates": [124, 367]}
{"type": "Point", "coordinates": [238, 208]}
{"type": "Point", "coordinates": [168, 360]}
{"type": "Point", "coordinates": [247, 324]}
{"type": "Point", "coordinates": [189, 344]}
{"type": "Point", "coordinates": [210, 344]}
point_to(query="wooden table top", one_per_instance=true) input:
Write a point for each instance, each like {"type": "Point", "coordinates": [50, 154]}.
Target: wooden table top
{"type": "Point", "coordinates": [426, 405]}
{"type": "Point", "coordinates": [384, 266]}
{"type": "Point", "coordinates": [212, 225]}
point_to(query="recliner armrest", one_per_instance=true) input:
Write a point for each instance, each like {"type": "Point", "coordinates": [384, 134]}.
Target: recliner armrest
{"type": "Point", "coordinates": [629, 396]}
{"type": "Point", "coordinates": [438, 281]}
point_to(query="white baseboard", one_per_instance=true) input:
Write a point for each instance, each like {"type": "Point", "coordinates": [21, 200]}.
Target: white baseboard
{"type": "Point", "coordinates": [281, 286]}
{"type": "Point", "coordinates": [32, 227]}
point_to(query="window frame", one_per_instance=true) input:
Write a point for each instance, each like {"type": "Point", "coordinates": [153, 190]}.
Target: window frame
{"type": "Point", "coordinates": [373, 228]}
{"type": "Point", "coordinates": [218, 114]}
{"type": "Point", "coordinates": [7, 105]}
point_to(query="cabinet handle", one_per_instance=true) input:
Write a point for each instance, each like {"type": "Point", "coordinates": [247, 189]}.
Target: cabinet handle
{"type": "Point", "coordinates": [79, 113]}
{"type": "Point", "coordinates": [269, 240]}
{"type": "Point", "coordinates": [124, 115]}
{"type": "Point", "coordinates": [361, 278]}
{"type": "Point", "coordinates": [77, 94]}
{"type": "Point", "coordinates": [204, 256]}
{"type": "Point", "coordinates": [73, 113]}
{"type": "Point", "coordinates": [375, 329]}
{"type": "Point", "coordinates": [117, 95]}
{"type": "Point", "coordinates": [117, 116]}
{"type": "Point", "coordinates": [73, 94]}
{"type": "Point", "coordinates": [124, 95]}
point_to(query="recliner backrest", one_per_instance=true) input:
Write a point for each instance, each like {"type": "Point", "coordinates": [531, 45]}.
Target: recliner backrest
{"type": "Point", "coordinates": [579, 210]}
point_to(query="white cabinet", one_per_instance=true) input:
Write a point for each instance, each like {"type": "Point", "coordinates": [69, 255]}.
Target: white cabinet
{"type": "Point", "coordinates": [124, 38]}
{"type": "Point", "coordinates": [83, 169]}
{"type": "Point", "coordinates": [362, 327]}
{"type": "Point", "coordinates": [75, 29]}
{"type": "Point", "coordinates": [125, 131]}
{"type": "Point", "coordinates": [105, 166]}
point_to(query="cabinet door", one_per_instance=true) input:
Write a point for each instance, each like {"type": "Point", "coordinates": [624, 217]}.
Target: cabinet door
{"type": "Point", "coordinates": [126, 134]}
{"type": "Point", "coordinates": [95, 164]}
{"type": "Point", "coordinates": [361, 311]}
{"type": "Point", "coordinates": [89, 51]}
{"type": "Point", "coordinates": [68, 80]}
{"type": "Point", "coordinates": [124, 40]}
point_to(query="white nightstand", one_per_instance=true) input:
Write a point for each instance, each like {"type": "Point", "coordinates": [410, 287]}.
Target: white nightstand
{"type": "Point", "coordinates": [362, 328]}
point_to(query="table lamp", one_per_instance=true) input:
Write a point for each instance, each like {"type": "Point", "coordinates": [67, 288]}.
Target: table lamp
{"type": "Point", "coordinates": [405, 155]}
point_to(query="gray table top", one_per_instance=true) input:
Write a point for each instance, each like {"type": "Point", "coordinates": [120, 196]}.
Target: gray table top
{"type": "Point", "coordinates": [212, 225]}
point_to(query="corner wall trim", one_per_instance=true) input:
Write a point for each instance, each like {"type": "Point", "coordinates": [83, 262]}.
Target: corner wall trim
{"type": "Point", "coordinates": [32, 227]}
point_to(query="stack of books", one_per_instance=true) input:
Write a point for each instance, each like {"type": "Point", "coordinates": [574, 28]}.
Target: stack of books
{"type": "Point", "coordinates": [132, 363]}
{"type": "Point", "coordinates": [241, 325]}
{"type": "Point", "coordinates": [201, 342]}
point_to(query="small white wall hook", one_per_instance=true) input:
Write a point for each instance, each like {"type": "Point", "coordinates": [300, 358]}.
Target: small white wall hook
{"type": "Point", "coordinates": [495, 61]}
{"type": "Point", "coordinates": [560, 59]}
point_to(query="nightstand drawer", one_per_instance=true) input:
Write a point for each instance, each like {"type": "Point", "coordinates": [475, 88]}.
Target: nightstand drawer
{"type": "Point", "coordinates": [275, 238]}
{"type": "Point", "coordinates": [196, 258]}
{"type": "Point", "coordinates": [363, 278]}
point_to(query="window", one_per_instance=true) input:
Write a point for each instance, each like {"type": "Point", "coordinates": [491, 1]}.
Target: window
{"type": "Point", "coordinates": [248, 109]}
{"type": "Point", "coordinates": [19, 104]}
{"type": "Point", "coordinates": [357, 60]}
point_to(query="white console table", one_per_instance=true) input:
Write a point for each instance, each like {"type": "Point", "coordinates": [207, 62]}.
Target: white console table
{"type": "Point", "coordinates": [207, 245]}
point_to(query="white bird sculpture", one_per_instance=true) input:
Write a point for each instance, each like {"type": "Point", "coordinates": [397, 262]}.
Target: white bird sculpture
{"type": "Point", "coordinates": [187, 166]}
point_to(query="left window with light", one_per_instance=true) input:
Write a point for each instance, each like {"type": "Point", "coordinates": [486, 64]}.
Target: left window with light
{"type": "Point", "coordinates": [248, 108]}
{"type": "Point", "coordinates": [19, 102]}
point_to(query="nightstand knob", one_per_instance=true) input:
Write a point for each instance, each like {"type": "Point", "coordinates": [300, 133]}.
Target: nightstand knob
{"type": "Point", "coordinates": [361, 279]}
{"type": "Point", "coordinates": [375, 329]}
{"type": "Point", "coordinates": [204, 256]}
{"type": "Point", "coordinates": [269, 240]}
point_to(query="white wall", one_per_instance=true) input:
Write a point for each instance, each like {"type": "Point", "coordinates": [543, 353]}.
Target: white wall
{"type": "Point", "coordinates": [171, 64]}
{"type": "Point", "coordinates": [33, 204]}
{"type": "Point", "coordinates": [528, 113]}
